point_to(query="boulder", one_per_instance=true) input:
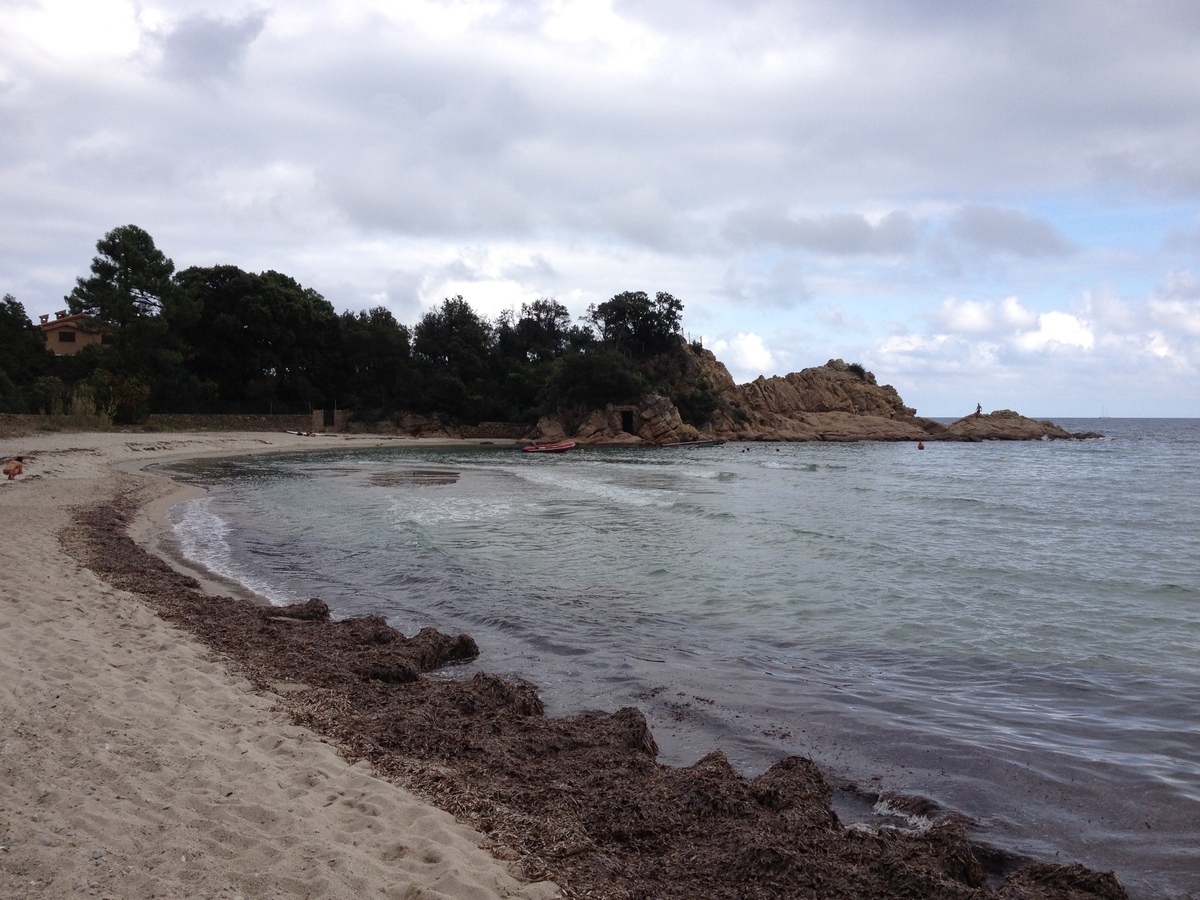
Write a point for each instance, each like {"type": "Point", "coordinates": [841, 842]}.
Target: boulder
{"type": "Point", "coordinates": [549, 430]}
{"type": "Point", "coordinates": [653, 420]}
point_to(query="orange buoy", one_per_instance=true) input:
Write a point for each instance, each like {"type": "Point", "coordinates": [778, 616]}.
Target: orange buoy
{"type": "Point", "coordinates": [920, 445]}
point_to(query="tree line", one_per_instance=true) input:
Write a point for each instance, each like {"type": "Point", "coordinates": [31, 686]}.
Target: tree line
{"type": "Point", "coordinates": [221, 340]}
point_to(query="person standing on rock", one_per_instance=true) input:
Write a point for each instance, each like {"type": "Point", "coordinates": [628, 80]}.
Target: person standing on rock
{"type": "Point", "coordinates": [979, 409]}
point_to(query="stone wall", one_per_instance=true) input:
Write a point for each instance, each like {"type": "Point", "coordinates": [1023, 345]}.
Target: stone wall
{"type": "Point", "coordinates": [228, 422]}
{"type": "Point", "coordinates": [497, 430]}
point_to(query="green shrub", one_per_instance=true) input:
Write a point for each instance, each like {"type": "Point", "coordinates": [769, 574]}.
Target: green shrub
{"type": "Point", "coordinates": [697, 405]}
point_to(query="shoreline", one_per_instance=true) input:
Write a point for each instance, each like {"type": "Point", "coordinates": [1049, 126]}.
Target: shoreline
{"type": "Point", "coordinates": [138, 764]}
{"type": "Point", "coordinates": [151, 528]}
{"type": "Point", "coordinates": [148, 523]}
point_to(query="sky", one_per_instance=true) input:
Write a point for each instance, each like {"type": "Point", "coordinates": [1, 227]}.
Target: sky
{"type": "Point", "coordinates": [993, 203]}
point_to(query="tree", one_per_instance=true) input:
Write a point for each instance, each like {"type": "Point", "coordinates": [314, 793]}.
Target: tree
{"type": "Point", "coordinates": [544, 329]}
{"type": "Point", "coordinates": [454, 336]}
{"type": "Point", "coordinates": [131, 280]}
{"type": "Point", "coordinates": [636, 325]}
{"type": "Point", "coordinates": [23, 356]}
{"type": "Point", "coordinates": [375, 370]}
{"type": "Point", "coordinates": [132, 296]}
{"type": "Point", "coordinates": [453, 346]}
{"type": "Point", "coordinates": [594, 379]}
{"type": "Point", "coordinates": [264, 340]}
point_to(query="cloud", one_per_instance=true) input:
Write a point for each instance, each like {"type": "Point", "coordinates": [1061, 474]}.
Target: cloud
{"type": "Point", "coordinates": [981, 317]}
{"type": "Point", "coordinates": [1057, 328]}
{"type": "Point", "coordinates": [744, 354]}
{"type": "Point", "coordinates": [1135, 356]}
{"type": "Point", "coordinates": [770, 162]}
{"type": "Point", "coordinates": [1177, 305]}
{"type": "Point", "coordinates": [1157, 345]}
{"type": "Point", "coordinates": [1008, 231]}
{"type": "Point", "coordinates": [203, 49]}
{"type": "Point", "coordinates": [782, 285]}
{"type": "Point", "coordinates": [536, 268]}
{"type": "Point", "coordinates": [641, 216]}
{"type": "Point", "coordinates": [594, 23]}
{"type": "Point", "coordinates": [1008, 322]}
{"type": "Point", "coordinates": [1158, 178]}
{"type": "Point", "coordinates": [838, 233]}
{"type": "Point", "coordinates": [403, 294]}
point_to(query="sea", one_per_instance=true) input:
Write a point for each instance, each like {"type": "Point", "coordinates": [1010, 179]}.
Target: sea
{"type": "Point", "coordinates": [1008, 629]}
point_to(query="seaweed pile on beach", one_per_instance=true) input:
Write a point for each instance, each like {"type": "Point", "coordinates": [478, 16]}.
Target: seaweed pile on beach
{"type": "Point", "coordinates": [580, 800]}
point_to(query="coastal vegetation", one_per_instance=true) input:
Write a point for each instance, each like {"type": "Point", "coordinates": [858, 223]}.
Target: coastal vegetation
{"type": "Point", "coordinates": [219, 339]}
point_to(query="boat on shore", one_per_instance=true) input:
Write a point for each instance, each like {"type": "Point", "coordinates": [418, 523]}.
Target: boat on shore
{"type": "Point", "coordinates": [557, 447]}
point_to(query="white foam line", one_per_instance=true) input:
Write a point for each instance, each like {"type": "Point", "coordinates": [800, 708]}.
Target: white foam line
{"type": "Point", "coordinates": [202, 540]}
{"type": "Point", "coordinates": [919, 824]}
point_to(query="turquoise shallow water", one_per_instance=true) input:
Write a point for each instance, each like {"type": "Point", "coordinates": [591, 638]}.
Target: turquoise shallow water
{"type": "Point", "coordinates": [1012, 629]}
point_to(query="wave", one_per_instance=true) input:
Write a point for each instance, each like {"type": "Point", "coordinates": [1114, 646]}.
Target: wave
{"type": "Point", "coordinates": [203, 538]}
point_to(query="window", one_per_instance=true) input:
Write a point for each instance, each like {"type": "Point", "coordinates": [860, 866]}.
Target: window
{"type": "Point", "coordinates": [66, 337]}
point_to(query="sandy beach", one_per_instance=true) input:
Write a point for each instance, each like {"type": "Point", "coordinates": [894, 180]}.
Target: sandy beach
{"type": "Point", "coordinates": [135, 765]}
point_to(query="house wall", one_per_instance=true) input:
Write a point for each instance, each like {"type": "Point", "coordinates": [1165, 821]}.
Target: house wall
{"type": "Point", "coordinates": [67, 340]}
{"type": "Point", "coordinates": [64, 336]}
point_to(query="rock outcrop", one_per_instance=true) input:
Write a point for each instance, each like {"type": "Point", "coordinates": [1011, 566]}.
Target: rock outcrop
{"type": "Point", "coordinates": [834, 402]}
{"type": "Point", "coordinates": [653, 420]}
{"type": "Point", "coordinates": [1005, 425]}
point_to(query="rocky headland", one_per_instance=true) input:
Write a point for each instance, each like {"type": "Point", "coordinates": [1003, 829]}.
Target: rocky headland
{"type": "Point", "coordinates": [835, 402]}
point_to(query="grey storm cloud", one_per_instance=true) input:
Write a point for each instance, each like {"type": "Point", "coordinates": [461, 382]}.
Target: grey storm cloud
{"type": "Point", "coordinates": [203, 49]}
{"type": "Point", "coordinates": [839, 233]}
{"type": "Point", "coordinates": [1009, 231]}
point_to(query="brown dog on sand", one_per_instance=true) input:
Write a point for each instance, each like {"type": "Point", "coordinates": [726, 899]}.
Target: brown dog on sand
{"type": "Point", "coordinates": [14, 467]}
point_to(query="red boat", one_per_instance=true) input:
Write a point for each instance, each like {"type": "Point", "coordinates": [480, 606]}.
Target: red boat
{"type": "Point", "coordinates": [560, 447]}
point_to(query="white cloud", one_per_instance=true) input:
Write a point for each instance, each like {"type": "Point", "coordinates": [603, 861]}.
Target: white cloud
{"type": "Point", "coordinates": [438, 19]}
{"type": "Point", "coordinates": [1015, 315]}
{"type": "Point", "coordinates": [1157, 345]}
{"type": "Point", "coordinates": [744, 354]}
{"type": "Point", "coordinates": [956, 316]}
{"type": "Point", "coordinates": [1058, 328]}
{"type": "Point", "coordinates": [1177, 305]}
{"type": "Point", "coordinates": [73, 32]}
{"type": "Point", "coordinates": [965, 316]}
{"type": "Point", "coordinates": [1183, 315]}
{"type": "Point", "coordinates": [625, 42]}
